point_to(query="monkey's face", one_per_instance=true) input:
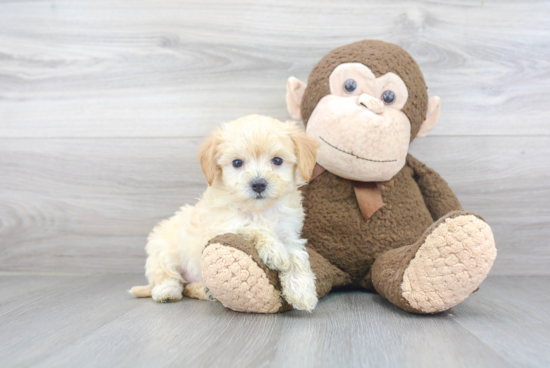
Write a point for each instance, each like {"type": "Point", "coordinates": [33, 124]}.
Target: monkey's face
{"type": "Point", "coordinates": [363, 133]}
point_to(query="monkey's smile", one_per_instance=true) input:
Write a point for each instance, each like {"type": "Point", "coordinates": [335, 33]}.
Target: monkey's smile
{"type": "Point", "coordinates": [354, 155]}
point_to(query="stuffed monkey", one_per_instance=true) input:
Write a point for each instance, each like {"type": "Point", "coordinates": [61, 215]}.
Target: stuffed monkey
{"type": "Point", "coordinates": [376, 218]}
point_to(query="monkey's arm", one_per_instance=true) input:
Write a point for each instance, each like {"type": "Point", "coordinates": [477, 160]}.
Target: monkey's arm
{"type": "Point", "coordinates": [438, 197]}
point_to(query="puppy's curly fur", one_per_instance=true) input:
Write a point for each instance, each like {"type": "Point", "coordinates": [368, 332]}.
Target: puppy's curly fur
{"type": "Point", "coordinates": [278, 156]}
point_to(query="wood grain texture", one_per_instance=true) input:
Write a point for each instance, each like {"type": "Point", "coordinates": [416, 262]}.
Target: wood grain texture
{"type": "Point", "coordinates": [104, 68]}
{"type": "Point", "coordinates": [88, 204]}
{"type": "Point", "coordinates": [491, 317]}
{"type": "Point", "coordinates": [104, 102]}
{"type": "Point", "coordinates": [90, 321]}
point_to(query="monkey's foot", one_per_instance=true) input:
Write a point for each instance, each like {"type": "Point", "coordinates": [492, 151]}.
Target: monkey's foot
{"type": "Point", "coordinates": [440, 270]}
{"type": "Point", "coordinates": [234, 273]}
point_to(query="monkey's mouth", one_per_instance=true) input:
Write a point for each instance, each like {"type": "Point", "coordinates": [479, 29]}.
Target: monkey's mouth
{"type": "Point", "coordinates": [354, 155]}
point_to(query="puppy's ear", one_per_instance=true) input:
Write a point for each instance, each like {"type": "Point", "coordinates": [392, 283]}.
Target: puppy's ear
{"type": "Point", "coordinates": [306, 152]}
{"type": "Point", "coordinates": [207, 154]}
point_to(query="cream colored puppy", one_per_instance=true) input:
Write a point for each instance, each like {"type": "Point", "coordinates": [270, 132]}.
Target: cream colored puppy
{"type": "Point", "coordinates": [254, 167]}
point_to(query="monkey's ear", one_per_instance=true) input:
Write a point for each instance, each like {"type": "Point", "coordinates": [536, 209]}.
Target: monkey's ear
{"type": "Point", "coordinates": [306, 152]}
{"type": "Point", "coordinates": [207, 159]}
{"type": "Point", "coordinates": [434, 108]}
{"type": "Point", "coordinates": [295, 89]}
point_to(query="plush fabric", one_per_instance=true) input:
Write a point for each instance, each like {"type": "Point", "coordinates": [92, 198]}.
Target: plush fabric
{"type": "Point", "coordinates": [407, 237]}
{"type": "Point", "coordinates": [234, 273]}
{"type": "Point", "coordinates": [353, 148]}
{"type": "Point", "coordinates": [438, 197]}
{"type": "Point", "coordinates": [328, 276]}
{"type": "Point", "coordinates": [368, 198]}
{"type": "Point", "coordinates": [381, 57]}
{"type": "Point", "coordinates": [336, 229]}
{"type": "Point", "coordinates": [367, 86]}
{"type": "Point", "coordinates": [441, 269]}
{"type": "Point", "coordinates": [452, 261]}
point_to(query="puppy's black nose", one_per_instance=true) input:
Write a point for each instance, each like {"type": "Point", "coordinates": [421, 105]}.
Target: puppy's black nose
{"type": "Point", "coordinates": [259, 185]}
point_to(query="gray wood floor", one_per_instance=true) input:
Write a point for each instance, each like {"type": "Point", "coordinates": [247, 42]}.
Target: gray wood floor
{"type": "Point", "coordinates": [75, 320]}
{"type": "Point", "coordinates": [103, 104]}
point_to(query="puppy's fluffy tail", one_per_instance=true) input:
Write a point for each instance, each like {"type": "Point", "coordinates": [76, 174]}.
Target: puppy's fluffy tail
{"type": "Point", "coordinates": [142, 291]}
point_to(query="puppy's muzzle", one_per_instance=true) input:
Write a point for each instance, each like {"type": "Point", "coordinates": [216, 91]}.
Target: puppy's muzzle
{"type": "Point", "coordinates": [258, 185]}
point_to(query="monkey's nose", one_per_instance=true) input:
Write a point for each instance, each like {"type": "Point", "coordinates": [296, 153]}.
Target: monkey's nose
{"type": "Point", "coordinates": [259, 185]}
{"type": "Point", "coordinates": [373, 104]}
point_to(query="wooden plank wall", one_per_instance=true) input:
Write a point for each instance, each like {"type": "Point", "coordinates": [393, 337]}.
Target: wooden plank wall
{"type": "Point", "coordinates": [103, 104]}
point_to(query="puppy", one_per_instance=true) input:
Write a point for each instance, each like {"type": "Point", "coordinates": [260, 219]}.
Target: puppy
{"type": "Point", "coordinates": [254, 167]}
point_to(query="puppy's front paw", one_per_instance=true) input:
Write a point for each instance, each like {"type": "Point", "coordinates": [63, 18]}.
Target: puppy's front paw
{"type": "Point", "coordinates": [274, 255]}
{"type": "Point", "coordinates": [168, 291]}
{"type": "Point", "coordinates": [299, 290]}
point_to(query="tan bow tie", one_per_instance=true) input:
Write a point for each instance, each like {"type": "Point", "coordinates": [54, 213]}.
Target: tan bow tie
{"type": "Point", "coordinates": [367, 194]}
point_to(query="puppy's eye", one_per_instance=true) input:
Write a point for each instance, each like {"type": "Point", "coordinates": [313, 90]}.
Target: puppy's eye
{"type": "Point", "coordinates": [237, 163]}
{"type": "Point", "coordinates": [388, 97]}
{"type": "Point", "coordinates": [350, 86]}
{"type": "Point", "coordinates": [277, 161]}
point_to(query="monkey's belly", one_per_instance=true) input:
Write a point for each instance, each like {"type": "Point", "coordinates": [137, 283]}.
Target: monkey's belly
{"type": "Point", "coordinates": [335, 228]}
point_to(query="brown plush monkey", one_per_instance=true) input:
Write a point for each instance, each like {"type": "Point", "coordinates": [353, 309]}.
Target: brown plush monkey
{"type": "Point", "coordinates": [376, 218]}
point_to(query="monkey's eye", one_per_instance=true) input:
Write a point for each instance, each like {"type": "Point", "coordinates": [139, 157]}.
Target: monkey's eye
{"type": "Point", "coordinates": [388, 97]}
{"type": "Point", "coordinates": [350, 86]}
{"type": "Point", "coordinates": [277, 161]}
{"type": "Point", "coordinates": [237, 163]}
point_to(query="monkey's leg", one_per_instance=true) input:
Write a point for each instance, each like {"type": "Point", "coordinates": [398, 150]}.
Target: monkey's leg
{"type": "Point", "coordinates": [234, 273]}
{"type": "Point", "coordinates": [236, 276]}
{"type": "Point", "coordinates": [327, 276]}
{"type": "Point", "coordinates": [441, 269]}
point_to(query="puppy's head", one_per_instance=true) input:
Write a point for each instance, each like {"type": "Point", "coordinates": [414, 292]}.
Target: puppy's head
{"type": "Point", "coordinates": [258, 159]}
